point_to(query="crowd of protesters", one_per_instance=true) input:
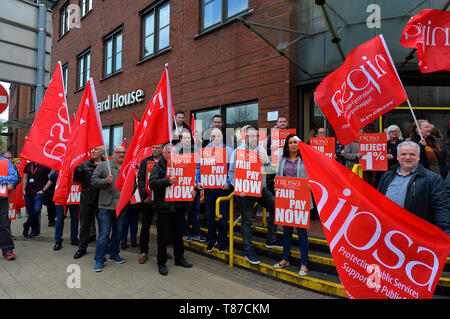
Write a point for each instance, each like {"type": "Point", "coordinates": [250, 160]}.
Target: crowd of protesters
{"type": "Point", "coordinates": [417, 180]}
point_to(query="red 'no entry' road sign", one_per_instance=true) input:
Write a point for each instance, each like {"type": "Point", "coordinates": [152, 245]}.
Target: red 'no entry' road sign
{"type": "Point", "coordinates": [4, 99]}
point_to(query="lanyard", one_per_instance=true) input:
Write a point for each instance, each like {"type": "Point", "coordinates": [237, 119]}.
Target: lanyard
{"type": "Point", "coordinates": [34, 171]}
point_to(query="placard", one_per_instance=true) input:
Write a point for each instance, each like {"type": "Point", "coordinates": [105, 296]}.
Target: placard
{"type": "Point", "coordinates": [183, 167]}
{"type": "Point", "coordinates": [292, 201]}
{"type": "Point", "coordinates": [74, 194]}
{"type": "Point", "coordinates": [248, 173]}
{"type": "Point", "coordinates": [150, 165]}
{"type": "Point", "coordinates": [4, 167]}
{"type": "Point", "coordinates": [213, 167]}
{"type": "Point", "coordinates": [278, 138]}
{"type": "Point", "coordinates": [373, 147]}
{"type": "Point", "coordinates": [326, 145]}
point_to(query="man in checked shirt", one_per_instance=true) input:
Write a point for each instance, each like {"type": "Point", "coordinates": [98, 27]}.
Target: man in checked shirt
{"type": "Point", "coordinates": [6, 241]}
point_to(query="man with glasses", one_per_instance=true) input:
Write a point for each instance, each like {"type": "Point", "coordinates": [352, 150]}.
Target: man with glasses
{"type": "Point", "coordinates": [88, 198]}
{"type": "Point", "coordinates": [246, 203]}
{"type": "Point", "coordinates": [109, 224]}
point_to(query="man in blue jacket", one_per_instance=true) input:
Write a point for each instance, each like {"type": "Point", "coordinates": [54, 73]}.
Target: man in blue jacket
{"type": "Point", "coordinates": [6, 241]}
{"type": "Point", "coordinates": [417, 189]}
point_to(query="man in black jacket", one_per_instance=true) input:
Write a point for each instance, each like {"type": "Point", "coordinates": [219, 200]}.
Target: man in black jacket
{"type": "Point", "coordinates": [417, 189]}
{"type": "Point", "coordinates": [147, 209]}
{"type": "Point", "coordinates": [88, 198]}
{"type": "Point", "coordinates": [170, 214]}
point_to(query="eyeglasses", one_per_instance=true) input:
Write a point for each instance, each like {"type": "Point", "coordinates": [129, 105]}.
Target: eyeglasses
{"type": "Point", "coordinates": [120, 152]}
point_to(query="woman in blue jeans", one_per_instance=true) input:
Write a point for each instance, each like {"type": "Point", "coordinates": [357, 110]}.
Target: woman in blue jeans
{"type": "Point", "coordinates": [291, 165]}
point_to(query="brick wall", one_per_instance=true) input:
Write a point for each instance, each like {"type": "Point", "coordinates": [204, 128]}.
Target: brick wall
{"type": "Point", "coordinates": [228, 65]}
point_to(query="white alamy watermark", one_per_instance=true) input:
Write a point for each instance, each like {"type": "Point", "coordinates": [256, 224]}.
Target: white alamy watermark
{"type": "Point", "coordinates": [74, 279]}
{"type": "Point", "coordinates": [374, 19]}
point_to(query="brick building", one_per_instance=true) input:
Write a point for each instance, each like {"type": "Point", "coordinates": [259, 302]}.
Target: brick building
{"type": "Point", "coordinates": [216, 64]}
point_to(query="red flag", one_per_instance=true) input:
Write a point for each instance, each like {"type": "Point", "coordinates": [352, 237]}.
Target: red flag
{"type": "Point", "coordinates": [136, 123]}
{"type": "Point", "coordinates": [363, 88]}
{"type": "Point", "coordinates": [86, 134]}
{"type": "Point", "coordinates": [380, 249]}
{"type": "Point", "coordinates": [154, 128]}
{"type": "Point", "coordinates": [46, 142]}
{"type": "Point", "coordinates": [194, 134]}
{"type": "Point", "coordinates": [20, 200]}
{"type": "Point", "coordinates": [429, 33]}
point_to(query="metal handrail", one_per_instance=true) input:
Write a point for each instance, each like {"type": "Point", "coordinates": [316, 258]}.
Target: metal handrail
{"type": "Point", "coordinates": [231, 222]}
{"type": "Point", "coordinates": [358, 170]}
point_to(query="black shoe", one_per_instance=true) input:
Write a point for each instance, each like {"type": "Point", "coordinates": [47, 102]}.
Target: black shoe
{"type": "Point", "coordinates": [79, 253]}
{"type": "Point", "coordinates": [26, 230]}
{"type": "Point", "coordinates": [123, 245]}
{"type": "Point", "coordinates": [75, 242]}
{"type": "Point", "coordinates": [32, 235]}
{"type": "Point", "coordinates": [134, 244]}
{"type": "Point", "coordinates": [182, 262]}
{"type": "Point", "coordinates": [57, 246]}
{"type": "Point", "coordinates": [162, 270]}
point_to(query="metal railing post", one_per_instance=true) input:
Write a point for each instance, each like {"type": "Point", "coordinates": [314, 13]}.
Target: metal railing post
{"type": "Point", "coordinates": [230, 221]}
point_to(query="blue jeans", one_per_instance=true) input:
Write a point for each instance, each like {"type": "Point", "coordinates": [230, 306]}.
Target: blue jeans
{"type": "Point", "coordinates": [34, 206]}
{"type": "Point", "coordinates": [195, 217]}
{"type": "Point", "coordinates": [211, 196]}
{"type": "Point", "coordinates": [302, 242]}
{"type": "Point", "coordinates": [246, 204]}
{"type": "Point", "coordinates": [59, 222]}
{"type": "Point", "coordinates": [109, 224]}
{"type": "Point", "coordinates": [130, 222]}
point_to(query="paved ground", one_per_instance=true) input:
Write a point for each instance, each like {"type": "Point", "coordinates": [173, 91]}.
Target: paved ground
{"type": "Point", "coordinates": [40, 272]}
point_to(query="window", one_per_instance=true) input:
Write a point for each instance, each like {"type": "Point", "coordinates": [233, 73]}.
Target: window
{"type": "Point", "coordinates": [219, 11]}
{"type": "Point", "coordinates": [243, 114]}
{"type": "Point", "coordinates": [113, 52]}
{"type": "Point", "coordinates": [84, 67]}
{"type": "Point", "coordinates": [64, 19]}
{"type": "Point", "coordinates": [85, 7]}
{"type": "Point", "coordinates": [156, 28]}
{"type": "Point", "coordinates": [65, 72]}
{"type": "Point", "coordinates": [113, 136]}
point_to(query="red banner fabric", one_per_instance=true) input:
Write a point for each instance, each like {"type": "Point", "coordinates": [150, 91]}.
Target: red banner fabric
{"type": "Point", "coordinates": [155, 127]}
{"type": "Point", "coordinates": [50, 132]}
{"type": "Point", "coordinates": [85, 135]}
{"type": "Point", "coordinates": [428, 32]}
{"type": "Point", "coordinates": [380, 249]}
{"type": "Point", "coordinates": [292, 201]}
{"type": "Point", "coordinates": [363, 88]}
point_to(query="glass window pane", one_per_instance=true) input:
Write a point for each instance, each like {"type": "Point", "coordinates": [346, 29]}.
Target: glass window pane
{"type": "Point", "coordinates": [80, 72]}
{"type": "Point", "coordinates": [236, 6]}
{"type": "Point", "coordinates": [118, 61]}
{"type": "Point", "coordinates": [148, 45]}
{"type": "Point", "coordinates": [212, 13]}
{"type": "Point", "coordinates": [108, 52]}
{"type": "Point", "coordinates": [119, 43]}
{"type": "Point", "coordinates": [203, 121]}
{"type": "Point", "coordinates": [117, 134]}
{"type": "Point", "coordinates": [105, 132]}
{"type": "Point", "coordinates": [108, 66]}
{"type": "Point", "coordinates": [88, 66]}
{"type": "Point", "coordinates": [164, 15]}
{"type": "Point", "coordinates": [163, 38]}
{"type": "Point", "coordinates": [240, 115]}
{"type": "Point", "coordinates": [149, 25]}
